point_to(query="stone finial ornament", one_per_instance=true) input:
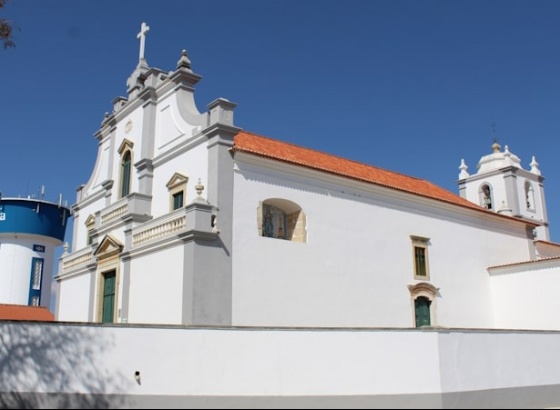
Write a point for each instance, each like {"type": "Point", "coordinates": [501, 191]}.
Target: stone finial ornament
{"type": "Point", "coordinates": [463, 167]}
{"type": "Point", "coordinates": [535, 166]}
{"type": "Point", "coordinates": [199, 188]}
{"type": "Point", "coordinates": [184, 61]}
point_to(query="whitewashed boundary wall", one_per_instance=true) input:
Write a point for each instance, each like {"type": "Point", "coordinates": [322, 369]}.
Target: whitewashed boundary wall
{"type": "Point", "coordinates": [69, 365]}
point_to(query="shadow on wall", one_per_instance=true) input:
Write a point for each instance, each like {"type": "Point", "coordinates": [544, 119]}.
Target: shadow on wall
{"type": "Point", "coordinates": [54, 366]}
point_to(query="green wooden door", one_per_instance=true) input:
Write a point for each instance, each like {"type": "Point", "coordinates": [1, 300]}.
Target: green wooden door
{"type": "Point", "coordinates": [422, 310]}
{"type": "Point", "coordinates": [108, 297]}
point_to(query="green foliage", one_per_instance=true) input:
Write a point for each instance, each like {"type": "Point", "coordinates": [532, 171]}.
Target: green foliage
{"type": "Point", "coordinates": [6, 29]}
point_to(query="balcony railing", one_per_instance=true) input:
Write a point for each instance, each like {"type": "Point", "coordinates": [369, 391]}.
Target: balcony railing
{"type": "Point", "coordinates": [114, 212]}
{"type": "Point", "coordinates": [133, 204]}
{"type": "Point", "coordinates": [82, 257]}
{"type": "Point", "coordinates": [158, 228]}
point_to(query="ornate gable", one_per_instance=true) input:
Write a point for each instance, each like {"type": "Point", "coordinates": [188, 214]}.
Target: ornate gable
{"type": "Point", "coordinates": [177, 179]}
{"type": "Point", "coordinates": [90, 222]}
{"type": "Point", "coordinates": [109, 247]}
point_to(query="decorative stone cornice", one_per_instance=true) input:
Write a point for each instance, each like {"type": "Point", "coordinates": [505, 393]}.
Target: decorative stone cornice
{"type": "Point", "coordinates": [107, 184]}
{"type": "Point", "coordinates": [144, 164]}
{"type": "Point", "coordinates": [423, 289]}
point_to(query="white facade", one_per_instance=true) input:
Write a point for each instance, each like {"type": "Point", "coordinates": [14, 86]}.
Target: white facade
{"type": "Point", "coordinates": [179, 221]}
{"type": "Point", "coordinates": [357, 265]}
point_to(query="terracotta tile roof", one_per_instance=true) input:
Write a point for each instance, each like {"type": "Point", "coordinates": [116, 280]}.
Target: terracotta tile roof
{"type": "Point", "coordinates": [535, 261]}
{"type": "Point", "coordinates": [22, 312]}
{"type": "Point", "coordinates": [281, 151]}
{"type": "Point", "coordinates": [547, 243]}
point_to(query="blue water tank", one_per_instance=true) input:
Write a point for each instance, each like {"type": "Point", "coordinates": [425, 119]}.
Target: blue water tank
{"type": "Point", "coordinates": [30, 230]}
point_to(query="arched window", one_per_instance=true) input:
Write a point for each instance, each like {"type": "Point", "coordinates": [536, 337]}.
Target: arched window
{"type": "Point", "coordinates": [126, 170]}
{"type": "Point", "coordinates": [125, 151]}
{"type": "Point", "coordinates": [486, 197]}
{"type": "Point", "coordinates": [281, 219]}
{"type": "Point", "coordinates": [529, 196]}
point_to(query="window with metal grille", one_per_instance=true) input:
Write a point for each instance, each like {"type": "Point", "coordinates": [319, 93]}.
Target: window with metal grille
{"type": "Point", "coordinates": [35, 281]}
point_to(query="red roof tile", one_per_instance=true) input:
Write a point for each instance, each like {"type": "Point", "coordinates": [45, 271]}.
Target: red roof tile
{"type": "Point", "coordinates": [547, 243]}
{"type": "Point", "coordinates": [293, 154]}
{"type": "Point", "coordinates": [22, 312]}
{"type": "Point", "coordinates": [534, 261]}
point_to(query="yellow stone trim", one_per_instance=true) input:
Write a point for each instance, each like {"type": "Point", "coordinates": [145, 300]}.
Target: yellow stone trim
{"type": "Point", "coordinates": [126, 145]}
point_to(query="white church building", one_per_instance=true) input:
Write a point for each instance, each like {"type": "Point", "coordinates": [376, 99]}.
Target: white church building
{"type": "Point", "coordinates": [211, 266]}
{"type": "Point", "coordinates": [188, 219]}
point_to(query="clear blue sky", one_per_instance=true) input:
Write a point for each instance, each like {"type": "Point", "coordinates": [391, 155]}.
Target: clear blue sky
{"type": "Point", "coordinates": [410, 86]}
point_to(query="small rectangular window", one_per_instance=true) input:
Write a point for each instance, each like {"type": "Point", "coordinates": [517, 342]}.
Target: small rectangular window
{"type": "Point", "coordinates": [420, 257]}
{"type": "Point", "coordinates": [420, 260]}
{"type": "Point", "coordinates": [37, 274]}
{"type": "Point", "coordinates": [35, 281]}
{"type": "Point", "coordinates": [178, 200]}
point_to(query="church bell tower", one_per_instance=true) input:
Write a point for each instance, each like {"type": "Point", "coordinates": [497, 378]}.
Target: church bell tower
{"type": "Point", "coordinates": [502, 185]}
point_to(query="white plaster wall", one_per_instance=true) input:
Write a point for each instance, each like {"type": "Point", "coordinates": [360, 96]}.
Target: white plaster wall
{"type": "Point", "coordinates": [73, 298]}
{"type": "Point", "coordinates": [16, 255]}
{"type": "Point", "coordinates": [459, 259]}
{"type": "Point", "coordinates": [193, 164]}
{"type": "Point", "coordinates": [527, 299]}
{"type": "Point", "coordinates": [283, 363]}
{"type": "Point", "coordinates": [273, 362]}
{"type": "Point", "coordinates": [186, 361]}
{"type": "Point", "coordinates": [80, 234]}
{"type": "Point", "coordinates": [156, 287]}
{"type": "Point", "coordinates": [489, 360]}
{"type": "Point", "coordinates": [136, 118]}
{"type": "Point", "coordinates": [171, 129]}
{"type": "Point", "coordinates": [357, 263]}
{"type": "Point", "coordinates": [100, 171]}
